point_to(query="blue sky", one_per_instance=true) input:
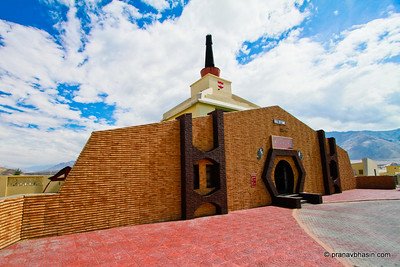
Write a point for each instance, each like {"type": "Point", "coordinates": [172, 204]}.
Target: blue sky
{"type": "Point", "coordinates": [68, 68]}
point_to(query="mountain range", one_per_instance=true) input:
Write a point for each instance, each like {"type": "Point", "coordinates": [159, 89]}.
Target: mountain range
{"type": "Point", "coordinates": [48, 169]}
{"type": "Point", "coordinates": [376, 145]}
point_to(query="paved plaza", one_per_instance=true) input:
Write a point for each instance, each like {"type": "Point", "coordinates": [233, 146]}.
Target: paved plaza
{"type": "Point", "coordinates": [362, 195]}
{"type": "Point", "coordinates": [365, 233]}
{"type": "Point", "coordinates": [266, 236]}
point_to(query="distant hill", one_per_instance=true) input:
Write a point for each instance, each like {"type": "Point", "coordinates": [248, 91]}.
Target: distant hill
{"type": "Point", "coordinates": [59, 166]}
{"type": "Point", "coordinates": [36, 168]}
{"type": "Point", "coordinates": [377, 145]}
{"type": "Point", "coordinates": [5, 171]}
{"type": "Point", "coordinates": [49, 169]}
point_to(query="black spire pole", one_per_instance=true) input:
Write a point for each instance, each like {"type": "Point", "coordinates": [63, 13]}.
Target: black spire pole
{"type": "Point", "coordinates": [209, 52]}
{"type": "Point", "coordinates": [209, 66]}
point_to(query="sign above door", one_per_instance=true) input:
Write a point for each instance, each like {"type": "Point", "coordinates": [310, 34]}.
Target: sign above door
{"type": "Point", "coordinates": [282, 142]}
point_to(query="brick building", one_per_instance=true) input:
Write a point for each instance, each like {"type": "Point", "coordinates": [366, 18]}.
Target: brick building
{"type": "Point", "coordinates": [184, 168]}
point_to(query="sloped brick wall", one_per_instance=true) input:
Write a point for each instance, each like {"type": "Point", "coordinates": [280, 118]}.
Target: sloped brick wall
{"type": "Point", "coordinates": [124, 176]}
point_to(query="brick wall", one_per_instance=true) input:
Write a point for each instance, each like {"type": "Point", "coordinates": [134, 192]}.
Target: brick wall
{"type": "Point", "coordinates": [10, 220]}
{"type": "Point", "coordinates": [245, 133]}
{"type": "Point", "coordinates": [124, 176]}
{"type": "Point", "coordinates": [347, 178]}
{"type": "Point", "coordinates": [40, 215]}
{"type": "Point", "coordinates": [132, 175]}
{"type": "Point", "coordinates": [376, 182]}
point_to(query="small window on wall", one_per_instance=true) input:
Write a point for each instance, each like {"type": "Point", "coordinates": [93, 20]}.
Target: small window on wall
{"type": "Point", "coordinates": [212, 176]}
{"type": "Point", "coordinates": [360, 172]}
{"type": "Point", "coordinates": [196, 177]}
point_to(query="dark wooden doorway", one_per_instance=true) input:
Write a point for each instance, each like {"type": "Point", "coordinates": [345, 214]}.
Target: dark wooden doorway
{"type": "Point", "coordinates": [284, 178]}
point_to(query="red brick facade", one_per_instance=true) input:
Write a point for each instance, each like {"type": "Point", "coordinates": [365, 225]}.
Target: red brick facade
{"type": "Point", "coordinates": [132, 175]}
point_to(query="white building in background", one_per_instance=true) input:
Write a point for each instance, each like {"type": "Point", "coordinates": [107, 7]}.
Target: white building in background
{"type": "Point", "coordinates": [367, 167]}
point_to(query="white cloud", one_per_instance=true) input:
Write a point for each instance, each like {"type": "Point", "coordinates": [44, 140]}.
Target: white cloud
{"type": "Point", "coordinates": [160, 5]}
{"type": "Point", "coordinates": [144, 72]}
{"type": "Point", "coordinates": [73, 36]}
{"type": "Point", "coordinates": [149, 71]}
{"type": "Point", "coordinates": [29, 53]}
{"type": "Point", "coordinates": [340, 88]}
{"type": "Point", "coordinates": [117, 10]}
{"type": "Point", "coordinates": [25, 147]}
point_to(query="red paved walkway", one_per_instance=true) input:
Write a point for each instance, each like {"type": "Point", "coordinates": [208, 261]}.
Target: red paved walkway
{"type": "Point", "coordinates": [262, 236]}
{"type": "Point", "coordinates": [362, 194]}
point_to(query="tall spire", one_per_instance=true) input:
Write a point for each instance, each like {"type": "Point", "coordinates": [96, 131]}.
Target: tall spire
{"type": "Point", "coordinates": [209, 52]}
{"type": "Point", "coordinates": [209, 64]}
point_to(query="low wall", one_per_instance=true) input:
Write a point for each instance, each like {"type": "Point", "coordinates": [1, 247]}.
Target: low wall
{"type": "Point", "coordinates": [39, 215]}
{"type": "Point", "coordinates": [26, 216]}
{"type": "Point", "coordinates": [376, 182]}
{"type": "Point", "coordinates": [26, 184]}
{"type": "Point", "coordinates": [11, 210]}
